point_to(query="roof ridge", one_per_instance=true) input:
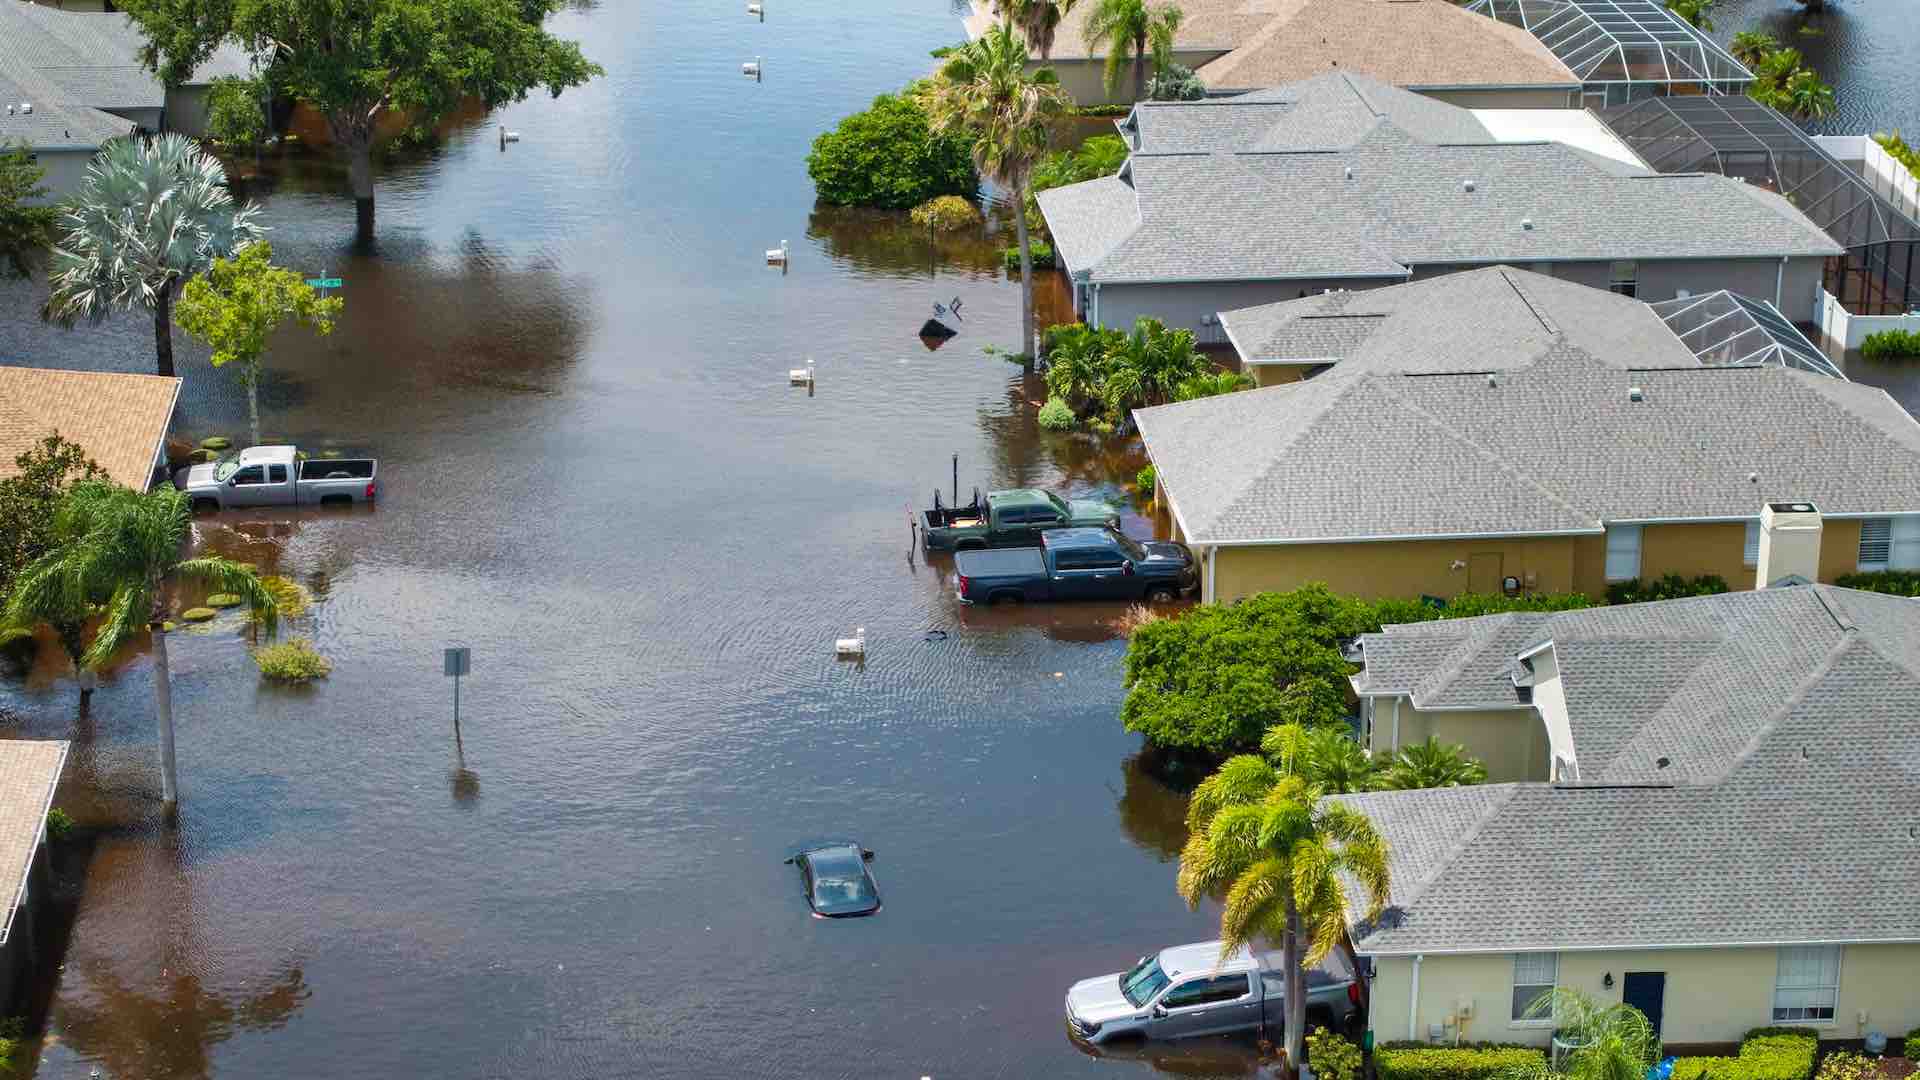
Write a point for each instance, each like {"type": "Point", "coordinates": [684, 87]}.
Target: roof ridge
{"type": "Point", "coordinates": [1844, 644]}
{"type": "Point", "coordinates": [1460, 843]}
{"type": "Point", "coordinates": [1337, 390]}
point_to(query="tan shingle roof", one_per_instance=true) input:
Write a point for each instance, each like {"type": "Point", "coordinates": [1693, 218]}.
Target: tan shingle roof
{"type": "Point", "coordinates": [119, 420]}
{"type": "Point", "coordinates": [28, 773]}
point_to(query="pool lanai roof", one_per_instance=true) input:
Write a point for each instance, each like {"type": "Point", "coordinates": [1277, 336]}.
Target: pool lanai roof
{"type": "Point", "coordinates": [1725, 329]}
{"type": "Point", "coordinates": [1621, 41]}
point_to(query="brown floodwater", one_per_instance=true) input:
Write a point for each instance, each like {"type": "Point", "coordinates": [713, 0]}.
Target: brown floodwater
{"type": "Point", "coordinates": [572, 362]}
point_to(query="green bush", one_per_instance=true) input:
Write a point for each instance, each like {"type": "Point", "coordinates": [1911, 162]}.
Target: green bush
{"type": "Point", "coordinates": [224, 600]}
{"type": "Point", "coordinates": [1039, 251]}
{"type": "Point", "coordinates": [236, 112]}
{"type": "Point", "coordinates": [215, 443]}
{"type": "Point", "coordinates": [888, 156]}
{"type": "Point", "coordinates": [1418, 1061]}
{"type": "Point", "coordinates": [1147, 479]}
{"type": "Point", "coordinates": [1055, 416]}
{"type": "Point", "coordinates": [198, 614]}
{"type": "Point", "coordinates": [1768, 1053]}
{"type": "Point", "coordinates": [946, 213]}
{"type": "Point", "coordinates": [1911, 1044]}
{"type": "Point", "coordinates": [1891, 345]}
{"type": "Point", "coordinates": [290, 598]}
{"type": "Point", "coordinates": [1176, 83]}
{"type": "Point", "coordinates": [292, 661]}
{"type": "Point", "coordinates": [13, 1031]}
{"type": "Point", "coordinates": [1670, 587]}
{"type": "Point", "coordinates": [1898, 150]}
{"type": "Point", "coordinates": [59, 824]}
{"type": "Point", "coordinates": [1332, 1056]}
{"type": "Point", "coordinates": [1848, 1065]}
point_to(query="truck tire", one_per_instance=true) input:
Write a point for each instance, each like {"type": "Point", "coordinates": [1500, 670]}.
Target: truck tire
{"type": "Point", "coordinates": [1162, 594]}
{"type": "Point", "coordinates": [1319, 1016]}
{"type": "Point", "coordinates": [1008, 596]}
{"type": "Point", "coordinates": [206, 506]}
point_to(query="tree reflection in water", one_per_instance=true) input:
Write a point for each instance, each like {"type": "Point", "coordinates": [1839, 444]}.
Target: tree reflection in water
{"type": "Point", "coordinates": [165, 1030]}
{"type": "Point", "coordinates": [1153, 812]}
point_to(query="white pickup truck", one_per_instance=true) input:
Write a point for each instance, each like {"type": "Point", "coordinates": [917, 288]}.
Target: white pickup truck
{"type": "Point", "coordinates": [277, 476]}
{"type": "Point", "coordinates": [1189, 990]}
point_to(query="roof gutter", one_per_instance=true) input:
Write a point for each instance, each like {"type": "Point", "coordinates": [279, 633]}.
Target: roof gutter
{"type": "Point", "coordinates": [1388, 537]}
{"type": "Point", "coordinates": [1552, 946]}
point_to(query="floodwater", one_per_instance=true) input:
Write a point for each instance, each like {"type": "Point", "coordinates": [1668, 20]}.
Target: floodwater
{"type": "Point", "coordinates": [1864, 49]}
{"type": "Point", "coordinates": [572, 362]}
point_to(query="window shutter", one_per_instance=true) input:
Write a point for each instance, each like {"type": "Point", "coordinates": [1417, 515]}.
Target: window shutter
{"type": "Point", "coordinates": [1876, 543]}
{"type": "Point", "coordinates": [1752, 555]}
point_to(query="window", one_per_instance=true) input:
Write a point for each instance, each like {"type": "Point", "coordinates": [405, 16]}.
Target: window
{"type": "Point", "coordinates": [1751, 556]}
{"type": "Point", "coordinates": [1207, 991]}
{"type": "Point", "coordinates": [1624, 278]}
{"type": "Point", "coordinates": [1623, 552]}
{"type": "Point", "coordinates": [1808, 983]}
{"type": "Point", "coordinates": [277, 474]}
{"type": "Point", "coordinates": [252, 474]}
{"type": "Point", "coordinates": [1071, 560]}
{"type": "Point", "coordinates": [1043, 517]}
{"type": "Point", "coordinates": [1890, 544]}
{"type": "Point", "coordinates": [1533, 978]}
{"type": "Point", "coordinates": [1013, 517]}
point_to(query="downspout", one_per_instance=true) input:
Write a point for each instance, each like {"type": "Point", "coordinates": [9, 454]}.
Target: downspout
{"type": "Point", "coordinates": [1413, 1001]}
{"type": "Point", "coordinates": [1779, 281]}
{"type": "Point", "coordinates": [1211, 596]}
{"type": "Point", "coordinates": [1094, 319]}
{"type": "Point", "coordinates": [1396, 745]}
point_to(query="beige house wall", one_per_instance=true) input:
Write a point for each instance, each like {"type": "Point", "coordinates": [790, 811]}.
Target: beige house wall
{"type": "Point", "coordinates": [1086, 79]}
{"type": "Point", "coordinates": [1692, 550]}
{"type": "Point", "coordinates": [1276, 374]}
{"type": "Point", "coordinates": [1511, 743]}
{"type": "Point", "coordinates": [1712, 995]}
{"type": "Point", "coordinates": [1398, 568]}
{"type": "Point", "coordinates": [1511, 97]}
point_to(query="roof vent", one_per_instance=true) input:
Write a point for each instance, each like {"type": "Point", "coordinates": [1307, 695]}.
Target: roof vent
{"type": "Point", "coordinates": [1753, 478]}
{"type": "Point", "coordinates": [26, 108]}
{"type": "Point", "coordinates": [1468, 185]}
{"type": "Point", "coordinates": [1526, 223]}
{"type": "Point", "coordinates": [1492, 380]}
{"type": "Point", "coordinates": [1634, 393]}
{"type": "Point", "coordinates": [1349, 172]}
{"type": "Point", "coordinates": [1661, 763]}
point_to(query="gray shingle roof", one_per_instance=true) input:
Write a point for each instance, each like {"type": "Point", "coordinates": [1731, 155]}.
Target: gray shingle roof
{"type": "Point", "coordinates": [1353, 194]}
{"type": "Point", "coordinates": [1803, 705]}
{"type": "Point", "coordinates": [1327, 112]}
{"type": "Point", "coordinates": [92, 59]}
{"type": "Point", "coordinates": [57, 121]}
{"type": "Point", "coordinates": [1472, 320]}
{"type": "Point", "coordinates": [1550, 445]}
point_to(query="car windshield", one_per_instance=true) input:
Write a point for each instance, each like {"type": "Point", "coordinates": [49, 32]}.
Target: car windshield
{"type": "Point", "coordinates": [1131, 547]}
{"type": "Point", "coordinates": [1144, 981]}
{"type": "Point", "coordinates": [226, 465]}
{"type": "Point", "coordinates": [1059, 503]}
{"type": "Point", "coordinates": [839, 877]}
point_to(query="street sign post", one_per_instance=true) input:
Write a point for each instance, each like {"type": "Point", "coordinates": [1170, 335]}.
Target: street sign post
{"type": "Point", "coordinates": [458, 661]}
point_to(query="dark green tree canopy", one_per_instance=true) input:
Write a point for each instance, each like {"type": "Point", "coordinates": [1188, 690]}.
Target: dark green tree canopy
{"type": "Point", "coordinates": [888, 156]}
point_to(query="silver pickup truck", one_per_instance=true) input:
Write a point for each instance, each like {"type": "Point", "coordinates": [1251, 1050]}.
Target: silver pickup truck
{"type": "Point", "coordinates": [277, 476]}
{"type": "Point", "coordinates": [1188, 990]}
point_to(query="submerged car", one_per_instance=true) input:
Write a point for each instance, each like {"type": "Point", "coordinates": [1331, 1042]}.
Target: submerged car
{"type": "Point", "coordinates": [1192, 990]}
{"type": "Point", "coordinates": [837, 881]}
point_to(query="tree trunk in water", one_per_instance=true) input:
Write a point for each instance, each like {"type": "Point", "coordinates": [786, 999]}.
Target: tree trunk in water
{"type": "Point", "coordinates": [1296, 1001]}
{"type": "Point", "coordinates": [74, 640]}
{"type": "Point", "coordinates": [253, 403]}
{"type": "Point", "coordinates": [360, 175]}
{"type": "Point", "coordinates": [1027, 348]}
{"type": "Point", "coordinates": [163, 330]}
{"type": "Point", "coordinates": [163, 713]}
{"type": "Point", "coordinates": [1140, 69]}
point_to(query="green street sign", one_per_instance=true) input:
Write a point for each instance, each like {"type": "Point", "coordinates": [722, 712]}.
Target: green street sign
{"type": "Point", "coordinates": [324, 282]}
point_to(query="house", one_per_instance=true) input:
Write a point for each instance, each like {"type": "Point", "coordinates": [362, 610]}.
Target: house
{"type": "Point", "coordinates": [29, 772]}
{"type": "Point", "coordinates": [74, 80]}
{"type": "Point", "coordinates": [119, 420]}
{"type": "Point", "coordinates": [1727, 843]}
{"type": "Point", "coordinates": [1510, 432]}
{"type": "Point", "coordinates": [1343, 182]}
{"type": "Point", "coordinates": [1428, 46]}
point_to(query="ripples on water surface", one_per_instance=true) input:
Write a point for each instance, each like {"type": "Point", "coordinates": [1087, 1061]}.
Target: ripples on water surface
{"type": "Point", "coordinates": [571, 361]}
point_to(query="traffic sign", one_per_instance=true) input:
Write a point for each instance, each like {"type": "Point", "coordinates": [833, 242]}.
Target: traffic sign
{"type": "Point", "coordinates": [324, 282]}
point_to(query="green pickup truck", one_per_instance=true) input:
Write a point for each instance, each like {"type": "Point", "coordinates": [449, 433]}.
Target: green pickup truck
{"type": "Point", "coordinates": [1009, 519]}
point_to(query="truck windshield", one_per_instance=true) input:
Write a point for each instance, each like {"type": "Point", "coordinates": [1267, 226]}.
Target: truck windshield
{"type": "Point", "coordinates": [225, 465]}
{"type": "Point", "coordinates": [1144, 981]}
{"type": "Point", "coordinates": [1131, 547]}
{"type": "Point", "coordinates": [1059, 504]}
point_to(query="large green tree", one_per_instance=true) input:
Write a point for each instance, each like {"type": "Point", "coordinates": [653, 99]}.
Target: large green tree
{"type": "Point", "coordinates": [122, 549]}
{"type": "Point", "coordinates": [1132, 29]}
{"type": "Point", "coordinates": [237, 305]}
{"type": "Point", "coordinates": [151, 214]}
{"type": "Point", "coordinates": [29, 501]}
{"type": "Point", "coordinates": [26, 222]}
{"type": "Point", "coordinates": [888, 155]}
{"type": "Point", "coordinates": [1038, 21]}
{"type": "Point", "coordinates": [358, 60]}
{"type": "Point", "coordinates": [984, 92]}
{"type": "Point", "coordinates": [1280, 853]}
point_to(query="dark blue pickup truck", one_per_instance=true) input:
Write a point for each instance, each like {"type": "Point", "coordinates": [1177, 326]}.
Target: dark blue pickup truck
{"type": "Point", "coordinates": [1077, 564]}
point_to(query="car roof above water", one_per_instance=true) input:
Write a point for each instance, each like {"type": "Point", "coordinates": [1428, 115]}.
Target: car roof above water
{"type": "Point", "coordinates": [266, 455]}
{"type": "Point", "coordinates": [1204, 956]}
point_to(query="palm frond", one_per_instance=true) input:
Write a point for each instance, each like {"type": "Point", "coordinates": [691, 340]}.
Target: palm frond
{"type": "Point", "coordinates": [1255, 905]}
{"type": "Point", "coordinates": [237, 578]}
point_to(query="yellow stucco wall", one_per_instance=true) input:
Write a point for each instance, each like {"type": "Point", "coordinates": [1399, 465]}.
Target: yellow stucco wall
{"type": "Point", "coordinates": [1712, 995]}
{"type": "Point", "coordinates": [1402, 568]}
{"type": "Point", "coordinates": [1692, 550]}
{"type": "Point", "coordinates": [1511, 743]}
{"type": "Point", "coordinates": [1276, 374]}
{"type": "Point", "coordinates": [1839, 548]}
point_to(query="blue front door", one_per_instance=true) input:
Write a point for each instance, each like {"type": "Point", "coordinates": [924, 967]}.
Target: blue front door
{"type": "Point", "coordinates": [1646, 991]}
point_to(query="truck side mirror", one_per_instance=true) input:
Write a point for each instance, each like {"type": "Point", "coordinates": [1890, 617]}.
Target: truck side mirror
{"type": "Point", "coordinates": [1159, 1012]}
{"type": "Point", "coordinates": [1127, 568]}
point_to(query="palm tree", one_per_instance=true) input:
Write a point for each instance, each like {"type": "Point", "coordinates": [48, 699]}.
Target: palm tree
{"type": "Point", "coordinates": [1806, 96]}
{"type": "Point", "coordinates": [1037, 21]}
{"type": "Point", "coordinates": [1325, 755]}
{"type": "Point", "coordinates": [1611, 1042]}
{"type": "Point", "coordinates": [124, 547]}
{"type": "Point", "coordinates": [149, 215]}
{"type": "Point", "coordinates": [1693, 11]}
{"type": "Point", "coordinates": [1751, 46]}
{"type": "Point", "coordinates": [1129, 29]}
{"type": "Point", "coordinates": [1281, 855]}
{"type": "Point", "coordinates": [1433, 764]}
{"type": "Point", "coordinates": [985, 91]}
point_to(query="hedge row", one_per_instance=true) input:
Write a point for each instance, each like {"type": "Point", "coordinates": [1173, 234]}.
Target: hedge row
{"type": "Point", "coordinates": [1897, 582]}
{"type": "Point", "coordinates": [1771, 1053]}
{"type": "Point", "coordinates": [1482, 1061]}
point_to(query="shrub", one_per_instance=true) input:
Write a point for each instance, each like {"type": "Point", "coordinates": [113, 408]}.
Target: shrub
{"type": "Point", "coordinates": [1418, 1061]}
{"type": "Point", "coordinates": [1055, 416]}
{"type": "Point", "coordinates": [12, 1031]}
{"type": "Point", "coordinates": [59, 824]}
{"type": "Point", "coordinates": [1147, 478]}
{"type": "Point", "coordinates": [1670, 587]}
{"type": "Point", "coordinates": [1768, 1053]}
{"type": "Point", "coordinates": [1898, 150]}
{"type": "Point", "coordinates": [1039, 251]}
{"type": "Point", "coordinates": [1175, 83]}
{"type": "Point", "coordinates": [236, 112]}
{"type": "Point", "coordinates": [292, 661]}
{"type": "Point", "coordinates": [1848, 1065]}
{"type": "Point", "coordinates": [947, 213]}
{"type": "Point", "coordinates": [1891, 345]}
{"type": "Point", "coordinates": [888, 156]}
{"type": "Point", "coordinates": [290, 597]}
{"type": "Point", "coordinates": [198, 614]}
{"type": "Point", "coordinates": [215, 443]}
{"type": "Point", "coordinates": [1332, 1056]}
{"type": "Point", "coordinates": [224, 600]}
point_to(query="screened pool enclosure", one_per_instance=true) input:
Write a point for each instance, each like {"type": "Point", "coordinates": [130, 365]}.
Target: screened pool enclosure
{"type": "Point", "coordinates": [1623, 51]}
{"type": "Point", "coordinates": [1726, 329]}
